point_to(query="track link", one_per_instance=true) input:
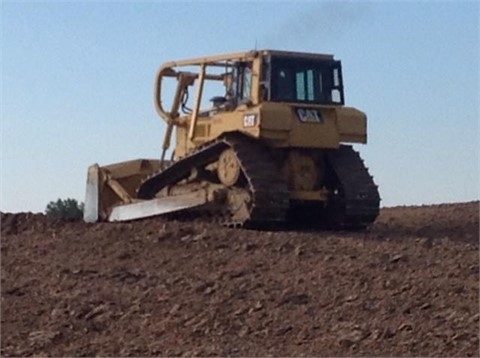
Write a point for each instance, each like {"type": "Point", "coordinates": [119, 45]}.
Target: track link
{"type": "Point", "coordinates": [268, 190]}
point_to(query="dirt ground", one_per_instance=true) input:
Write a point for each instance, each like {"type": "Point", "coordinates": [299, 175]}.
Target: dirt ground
{"type": "Point", "coordinates": [409, 286]}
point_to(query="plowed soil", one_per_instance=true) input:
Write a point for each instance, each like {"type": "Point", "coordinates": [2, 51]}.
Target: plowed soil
{"type": "Point", "coordinates": [408, 286]}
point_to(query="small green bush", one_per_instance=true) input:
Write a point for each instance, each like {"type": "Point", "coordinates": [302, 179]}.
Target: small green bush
{"type": "Point", "coordinates": [68, 209]}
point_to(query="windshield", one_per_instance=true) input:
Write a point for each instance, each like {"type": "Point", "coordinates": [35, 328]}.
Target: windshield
{"type": "Point", "coordinates": [306, 81]}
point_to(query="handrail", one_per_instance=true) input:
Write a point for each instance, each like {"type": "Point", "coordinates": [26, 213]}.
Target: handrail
{"type": "Point", "coordinates": [167, 71]}
{"type": "Point", "coordinates": [164, 71]}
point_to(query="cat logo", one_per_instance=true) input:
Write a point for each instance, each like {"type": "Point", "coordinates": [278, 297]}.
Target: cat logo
{"type": "Point", "coordinates": [307, 115]}
{"type": "Point", "coordinates": [249, 120]}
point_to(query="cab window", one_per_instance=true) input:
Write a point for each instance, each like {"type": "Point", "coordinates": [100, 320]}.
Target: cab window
{"type": "Point", "coordinates": [299, 80]}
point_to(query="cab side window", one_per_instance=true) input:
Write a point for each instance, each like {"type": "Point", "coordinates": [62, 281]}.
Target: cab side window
{"type": "Point", "coordinates": [285, 84]}
{"type": "Point", "coordinates": [243, 79]}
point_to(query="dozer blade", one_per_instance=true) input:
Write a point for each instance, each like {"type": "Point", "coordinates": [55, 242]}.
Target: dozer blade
{"type": "Point", "coordinates": [112, 193]}
{"type": "Point", "coordinates": [91, 210]}
{"type": "Point", "coordinates": [153, 207]}
{"type": "Point", "coordinates": [114, 185]}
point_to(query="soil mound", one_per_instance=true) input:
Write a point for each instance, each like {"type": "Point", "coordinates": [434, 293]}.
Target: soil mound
{"type": "Point", "coordinates": [408, 286]}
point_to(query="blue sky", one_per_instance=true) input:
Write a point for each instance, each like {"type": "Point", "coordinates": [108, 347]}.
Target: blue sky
{"type": "Point", "coordinates": [77, 85]}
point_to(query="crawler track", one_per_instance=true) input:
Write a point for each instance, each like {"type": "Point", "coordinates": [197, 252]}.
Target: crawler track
{"type": "Point", "coordinates": [268, 190]}
{"type": "Point", "coordinates": [354, 203]}
{"type": "Point", "coordinates": [357, 203]}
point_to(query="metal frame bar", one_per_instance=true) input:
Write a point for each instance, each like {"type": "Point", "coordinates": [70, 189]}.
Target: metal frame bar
{"type": "Point", "coordinates": [198, 99]}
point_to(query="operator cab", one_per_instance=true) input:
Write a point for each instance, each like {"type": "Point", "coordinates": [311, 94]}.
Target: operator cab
{"type": "Point", "coordinates": [292, 79]}
{"type": "Point", "coordinates": [303, 80]}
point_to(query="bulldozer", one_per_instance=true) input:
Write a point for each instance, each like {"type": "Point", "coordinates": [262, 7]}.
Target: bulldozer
{"type": "Point", "coordinates": [273, 144]}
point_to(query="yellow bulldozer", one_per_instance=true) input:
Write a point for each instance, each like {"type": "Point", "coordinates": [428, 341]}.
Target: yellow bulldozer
{"type": "Point", "coordinates": [268, 147]}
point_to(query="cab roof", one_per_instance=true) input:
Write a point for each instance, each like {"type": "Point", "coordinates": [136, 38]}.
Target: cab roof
{"type": "Point", "coordinates": [245, 56]}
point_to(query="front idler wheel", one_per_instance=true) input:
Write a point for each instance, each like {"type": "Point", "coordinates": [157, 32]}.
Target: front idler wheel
{"type": "Point", "coordinates": [228, 169]}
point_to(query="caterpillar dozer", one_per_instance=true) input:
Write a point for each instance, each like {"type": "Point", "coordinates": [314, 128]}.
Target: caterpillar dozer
{"type": "Point", "coordinates": [273, 144]}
